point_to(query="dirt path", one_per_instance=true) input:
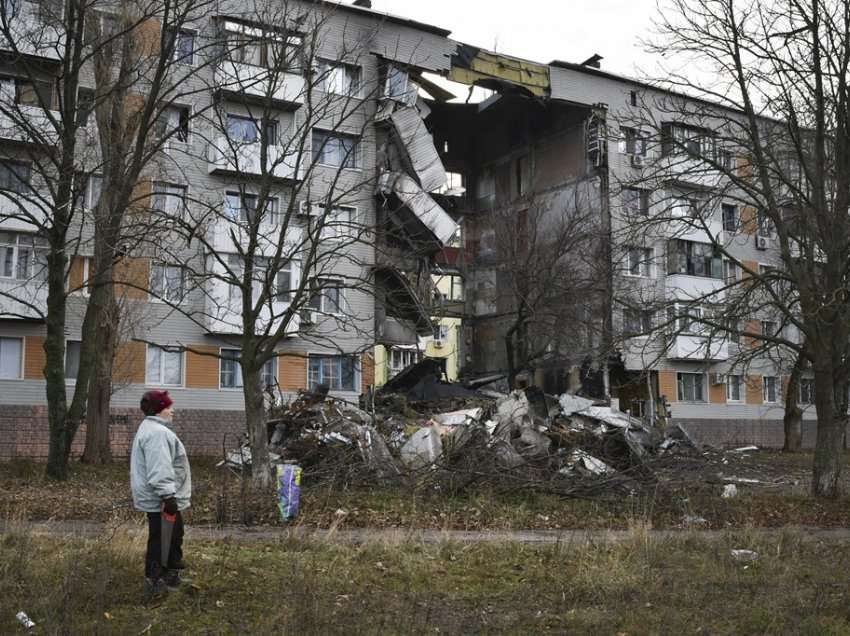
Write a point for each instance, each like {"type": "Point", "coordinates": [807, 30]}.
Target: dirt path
{"type": "Point", "coordinates": [357, 536]}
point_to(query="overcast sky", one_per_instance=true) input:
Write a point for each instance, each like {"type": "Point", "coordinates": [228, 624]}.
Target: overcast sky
{"type": "Point", "coordinates": [543, 30]}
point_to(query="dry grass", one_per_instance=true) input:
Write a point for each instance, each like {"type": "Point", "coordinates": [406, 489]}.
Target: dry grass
{"type": "Point", "coordinates": [639, 586]}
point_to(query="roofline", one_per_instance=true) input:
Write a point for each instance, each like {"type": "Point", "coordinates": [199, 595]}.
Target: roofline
{"type": "Point", "coordinates": [389, 17]}
{"type": "Point", "coordinates": [570, 66]}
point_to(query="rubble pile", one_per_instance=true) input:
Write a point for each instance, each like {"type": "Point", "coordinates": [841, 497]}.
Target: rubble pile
{"type": "Point", "coordinates": [404, 436]}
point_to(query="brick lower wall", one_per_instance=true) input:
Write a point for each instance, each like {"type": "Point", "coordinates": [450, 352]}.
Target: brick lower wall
{"type": "Point", "coordinates": [731, 433]}
{"type": "Point", "coordinates": [24, 432]}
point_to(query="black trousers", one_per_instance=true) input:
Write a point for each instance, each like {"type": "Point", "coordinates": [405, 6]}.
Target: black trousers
{"type": "Point", "coordinates": [153, 567]}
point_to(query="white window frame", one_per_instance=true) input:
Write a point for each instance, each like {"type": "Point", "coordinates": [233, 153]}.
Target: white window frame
{"type": "Point", "coordinates": [644, 317]}
{"type": "Point", "coordinates": [22, 363]}
{"type": "Point", "coordinates": [271, 215]}
{"type": "Point", "coordinates": [324, 283]}
{"type": "Point", "coordinates": [723, 207]}
{"type": "Point", "coordinates": [73, 380]}
{"type": "Point", "coordinates": [272, 365]}
{"type": "Point", "coordinates": [358, 371]}
{"type": "Point", "coordinates": [764, 332]}
{"type": "Point", "coordinates": [332, 71]}
{"type": "Point", "coordinates": [729, 264]}
{"type": "Point", "coordinates": [164, 297]}
{"type": "Point", "coordinates": [355, 157]}
{"type": "Point", "coordinates": [149, 381]}
{"type": "Point", "coordinates": [334, 229]}
{"type": "Point", "coordinates": [634, 194]}
{"type": "Point", "coordinates": [647, 260]}
{"type": "Point", "coordinates": [182, 60]}
{"type": "Point", "coordinates": [174, 197]}
{"type": "Point", "coordinates": [175, 138]}
{"type": "Point", "coordinates": [33, 274]}
{"type": "Point", "coordinates": [742, 391]}
{"type": "Point", "coordinates": [639, 140]}
{"type": "Point", "coordinates": [777, 389]}
{"type": "Point", "coordinates": [680, 387]}
{"type": "Point", "coordinates": [811, 383]}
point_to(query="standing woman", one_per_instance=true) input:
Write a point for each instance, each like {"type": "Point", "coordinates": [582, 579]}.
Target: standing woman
{"type": "Point", "coordinates": [162, 487]}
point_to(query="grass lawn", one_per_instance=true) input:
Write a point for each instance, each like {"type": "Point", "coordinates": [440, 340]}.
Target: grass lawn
{"type": "Point", "coordinates": [643, 585]}
{"type": "Point", "coordinates": [683, 488]}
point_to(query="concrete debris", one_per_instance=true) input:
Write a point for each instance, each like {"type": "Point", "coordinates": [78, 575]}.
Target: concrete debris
{"type": "Point", "coordinates": [730, 491]}
{"type": "Point", "coordinates": [421, 426]}
{"type": "Point", "coordinates": [745, 556]}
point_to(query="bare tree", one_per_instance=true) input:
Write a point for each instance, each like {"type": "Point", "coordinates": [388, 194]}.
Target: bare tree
{"type": "Point", "coordinates": [763, 127]}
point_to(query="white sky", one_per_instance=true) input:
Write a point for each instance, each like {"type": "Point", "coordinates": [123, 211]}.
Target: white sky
{"type": "Point", "coordinates": [543, 30]}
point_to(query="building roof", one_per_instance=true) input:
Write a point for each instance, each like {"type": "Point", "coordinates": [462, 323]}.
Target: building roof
{"type": "Point", "coordinates": [382, 15]}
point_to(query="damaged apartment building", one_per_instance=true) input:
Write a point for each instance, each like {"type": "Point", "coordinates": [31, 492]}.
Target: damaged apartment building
{"type": "Point", "coordinates": [463, 195]}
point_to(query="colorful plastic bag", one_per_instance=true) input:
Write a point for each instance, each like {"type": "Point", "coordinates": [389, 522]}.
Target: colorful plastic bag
{"type": "Point", "coordinates": [289, 490]}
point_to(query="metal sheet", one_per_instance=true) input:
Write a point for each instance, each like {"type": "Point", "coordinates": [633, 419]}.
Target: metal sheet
{"type": "Point", "coordinates": [419, 146]}
{"type": "Point", "coordinates": [427, 211]}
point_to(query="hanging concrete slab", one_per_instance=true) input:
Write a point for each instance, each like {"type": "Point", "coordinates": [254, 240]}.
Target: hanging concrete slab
{"type": "Point", "coordinates": [418, 144]}
{"type": "Point", "coordinates": [427, 211]}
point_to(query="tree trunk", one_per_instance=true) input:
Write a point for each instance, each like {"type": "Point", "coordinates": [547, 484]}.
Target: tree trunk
{"type": "Point", "coordinates": [54, 368]}
{"type": "Point", "coordinates": [829, 454]}
{"type": "Point", "coordinates": [793, 419]}
{"type": "Point", "coordinates": [97, 450]}
{"type": "Point", "coordinates": [255, 419]}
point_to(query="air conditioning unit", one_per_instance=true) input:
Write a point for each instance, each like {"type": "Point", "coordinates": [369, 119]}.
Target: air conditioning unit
{"type": "Point", "coordinates": [309, 209]}
{"type": "Point", "coordinates": [718, 378]}
{"type": "Point", "coordinates": [638, 161]}
{"type": "Point", "coordinates": [762, 242]}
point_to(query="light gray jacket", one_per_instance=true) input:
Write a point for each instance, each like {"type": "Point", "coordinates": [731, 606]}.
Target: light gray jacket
{"type": "Point", "coordinates": [159, 467]}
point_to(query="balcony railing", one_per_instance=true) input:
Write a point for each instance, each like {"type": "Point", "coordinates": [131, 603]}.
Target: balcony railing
{"type": "Point", "coordinates": [697, 347]}
{"type": "Point", "coordinates": [690, 288]}
{"type": "Point", "coordinates": [28, 124]}
{"type": "Point", "coordinates": [32, 34]}
{"type": "Point", "coordinates": [224, 156]}
{"type": "Point", "coordinates": [287, 89]}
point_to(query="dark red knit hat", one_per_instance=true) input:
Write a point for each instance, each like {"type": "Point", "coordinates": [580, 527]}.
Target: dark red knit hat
{"type": "Point", "coordinates": [154, 402]}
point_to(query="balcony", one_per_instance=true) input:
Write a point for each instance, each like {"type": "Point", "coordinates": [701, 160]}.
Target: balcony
{"type": "Point", "coordinates": [690, 172]}
{"type": "Point", "coordinates": [694, 288]}
{"type": "Point", "coordinates": [20, 215]}
{"type": "Point", "coordinates": [226, 157]}
{"type": "Point", "coordinates": [37, 130]}
{"type": "Point", "coordinates": [246, 80]}
{"type": "Point", "coordinates": [695, 347]}
{"type": "Point", "coordinates": [223, 313]}
{"type": "Point", "coordinates": [697, 230]}
{"type": "Point", "coordinates": [32, 35]}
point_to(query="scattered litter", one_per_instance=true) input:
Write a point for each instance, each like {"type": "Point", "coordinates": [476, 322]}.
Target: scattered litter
{"type": "Point", "coordinates": [289, 490]}
{"type": "Point", "coordinates": [692, 520]}
{"type": "Point", "coordinates": [745, 556]}
{"type": "Point", "coordinates": [423, 448]}
{"type": "Point", "coordinates": [730, 491]}
{"type": "Point", "coordinates": [745, 449]}
{"type": "Point", "coordinates": [25, 620]}
{"type": "Point", "coordinates": [587, 464]}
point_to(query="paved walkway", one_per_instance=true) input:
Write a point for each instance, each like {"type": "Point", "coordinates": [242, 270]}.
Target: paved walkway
{"type": "Point", "coordinates": [367, 535]}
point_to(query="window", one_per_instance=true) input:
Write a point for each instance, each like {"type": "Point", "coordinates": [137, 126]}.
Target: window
{"type": "Point", "coordinates": [340, 79]}
{"type": "Point", "coordinates": [731, 272]}
{"type": "Point", "coordinates": [242, 208]}
{"type": "Point", "coordinates": [691, 387]}
{"type": "Point", "coordinates": [91, 193]}
{"type": "Point", "coordinates": [163, 367]}
{"type": "Point", "coordinates": [85, 105]}
{"type": "Point", "coordinates": [636, 201]}
{"type": "Point", "coordinates": [634, 142]}
{"type": "Point", "coordinates": [769, 328]}
{"type": "Point", "coordinates": [693, 259]}
{"type": "Point", "coordinates": [807, 391]}
{"type": "Point", "coordinates": [341, 151]}
{"type": "Point", "coordinates": [15, 176]}
{"type": "Point", "coordinates": [230, 370]}
{"type": "Point", "coordinates": [765, 225]}
{"type": "Point", "coordinates": [692, 140]}
{"type": "Point", "coordinates": [726, 159]}
{"type": "Point", "coordinates": [522, 175]}
{"type": "Point", "coordinates": [637, 322]}
{"type": "Point", "coordinates": [24, 92]}
{"type": "Point", "coordinates": [72, 359]}
{"type": "Point", "coordinates": [456, 289]}
{"type": "Point", "coordinates": [23, 257]}
{"type": "Point", "coordinates": [11, 358]}
{"type": "Point", "coordinates": [173, 123]}
{"type": "Point", "coordinates": [441, 333]}
{"type": "Point", "coordinates": [283, 286]}
{"type": "Point", "coordinates": [167, 282]}
{"type": "Point", "coordinates": [400, 359]}
{"type": "Point", "coordinates": [326, 297]}
{"type": "Point", "coordinates": [339, 373]}
{"type": "Point", "coordinates": [397, 83]}
{"type": "Point", "coordinates": [639, 261]}
{"type": "Point", "coordinates": [245, 129]}
{"type": "Point", "coordinates": [169, 199]}
{"type": "Point", "coordinates": [734, 330]}
{"type": "Point", "coordinates": [338, 223]}
{"type": "Point", "coordinates": [252, 46]}
{"type": "Point", "coordinates": [685, 318]}
{"type": "Point", "coordinates": [730, 217]}
{"type": "Point", "coordinates": [685, 207]}
{"type": "Point", "coordinates": [184, 46]}
{"type": "Point", "coordinates": [734, 384]}
{"type": "Point", "coordinates": [770, 384]}
{"type": "Point", "coordinates": [11, 8]}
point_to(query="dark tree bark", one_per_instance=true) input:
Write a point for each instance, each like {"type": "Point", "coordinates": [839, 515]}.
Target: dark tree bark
{"type": "Point", "coordinates": [793, 419]}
